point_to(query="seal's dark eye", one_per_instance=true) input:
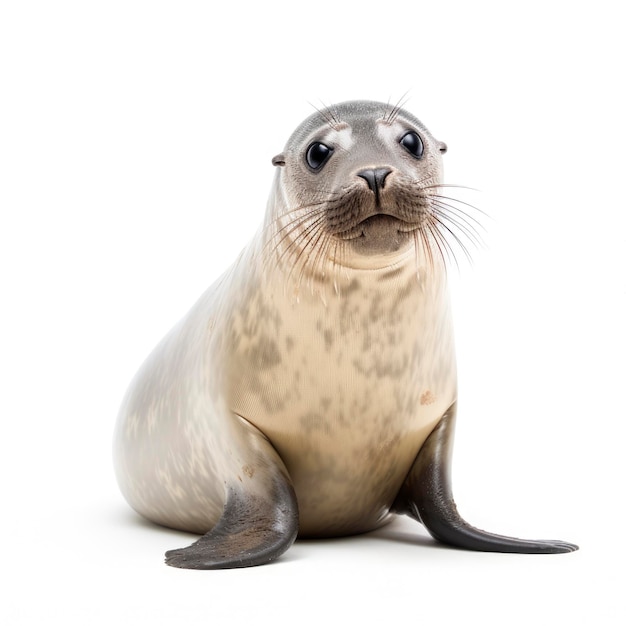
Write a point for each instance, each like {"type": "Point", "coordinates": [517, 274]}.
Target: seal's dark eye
{"type": "Point", "coordinates": [412, 142]}
{"type": "Point", "coordinates": [317, 155]}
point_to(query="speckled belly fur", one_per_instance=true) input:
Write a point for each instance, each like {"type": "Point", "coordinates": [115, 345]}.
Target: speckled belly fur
{"type": "Point", "coordinates": [346, 388]}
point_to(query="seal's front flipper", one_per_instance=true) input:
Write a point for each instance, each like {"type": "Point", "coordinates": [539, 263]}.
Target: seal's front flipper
{"type": "Point", "coordinates": [426, 496]}
{"type": "Point", "coordinates": [254, 529]}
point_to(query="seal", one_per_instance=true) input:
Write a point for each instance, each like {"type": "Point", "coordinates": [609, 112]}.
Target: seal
{"type": "Point", "coordinates": [312, 390]}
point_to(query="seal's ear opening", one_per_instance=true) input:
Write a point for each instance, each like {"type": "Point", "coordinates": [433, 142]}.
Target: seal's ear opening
{"type": "Point", "coordinates": [443, 148]}
{"type": "Point", "coordinates": [279, 160]}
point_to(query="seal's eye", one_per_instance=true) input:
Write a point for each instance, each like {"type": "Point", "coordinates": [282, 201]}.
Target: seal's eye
{"type": "Point", "coordinates": [317, 154]}
{"type": "Point", "coordinates": [412, 142]}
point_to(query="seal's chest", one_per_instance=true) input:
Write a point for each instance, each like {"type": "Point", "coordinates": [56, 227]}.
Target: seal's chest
{"type": "Point", "coordinates": [349, 369]}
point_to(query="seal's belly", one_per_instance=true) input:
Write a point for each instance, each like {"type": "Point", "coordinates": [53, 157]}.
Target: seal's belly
{"type": "Point", "coordinates": [347, 394]}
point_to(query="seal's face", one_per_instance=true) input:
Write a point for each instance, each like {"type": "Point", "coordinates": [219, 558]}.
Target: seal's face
{"type": "Point", "coordinates": [361, 176]}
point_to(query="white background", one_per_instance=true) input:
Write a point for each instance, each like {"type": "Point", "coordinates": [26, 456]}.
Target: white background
{"type": "Point", "coordinates": [135, 148]}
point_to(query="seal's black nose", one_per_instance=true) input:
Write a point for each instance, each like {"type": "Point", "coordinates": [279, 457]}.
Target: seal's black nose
{"type": "Point", "coordinates": [375, 178]}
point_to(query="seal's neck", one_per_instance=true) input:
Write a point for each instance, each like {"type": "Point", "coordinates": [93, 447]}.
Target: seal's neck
{"type": "Point", "coordinates": [296, 252]}
{"type": "Point", "coordinates": [325, 278]}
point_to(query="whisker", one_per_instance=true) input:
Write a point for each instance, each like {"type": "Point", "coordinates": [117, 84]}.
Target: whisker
{"type": "Point", "coordinates": [296, 237]}
{"type": "Point", "coordinates": [456, 238]}
{"type": "Point", "coordinates": [460, 213]}
{"type": "Point", "coordinates": [303, 207]}
{"type": "Point", "coordinates": [439, 242]}
{"type": "Point", "coordinates": [304, 241]}
{"type": "Point", "coordinates": [395, 111]}
{"type": "Point", "coordinates": [462, 223]}
{"type": "Point", "coordinates": [451, 185]}
{"type": "Point", "coordinates": [465, 227]}
{"type": "Point", "coordinates": [286, 231]}
{"type": "Point", "coordinates": [336, 284]}
{"type": "Point", "coordinates": [388, 109]}
{"type": "Point", "coordinates": [471, 206]}
{"type": "Point", "coordinates": [328, 115]}
{"type": "Point", "coordinates": [334, 113]}
{"type": "Point", "coordinates": [300, 237]}
{"type": "Point", "coordinates": [421, 242]}
{"type": "Point", "coordinates": [322, 262]}
{"type": "Point", "coordinates": [314, 244]}
{"type": "Point", "coordinates": [429, 249]}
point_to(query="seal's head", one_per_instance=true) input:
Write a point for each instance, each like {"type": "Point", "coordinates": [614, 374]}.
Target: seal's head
{"type": "Point", "coordinates": [358, 183]}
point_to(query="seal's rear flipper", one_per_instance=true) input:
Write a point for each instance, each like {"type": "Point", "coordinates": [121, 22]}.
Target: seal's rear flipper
{"type": "Point", "coordinates": [426, 496]}
{"type": "Point", "coordinates": [254, 529]}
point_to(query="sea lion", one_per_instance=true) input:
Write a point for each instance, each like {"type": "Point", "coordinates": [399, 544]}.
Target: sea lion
{"type": "Point", "coordinates": [312, 389]}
